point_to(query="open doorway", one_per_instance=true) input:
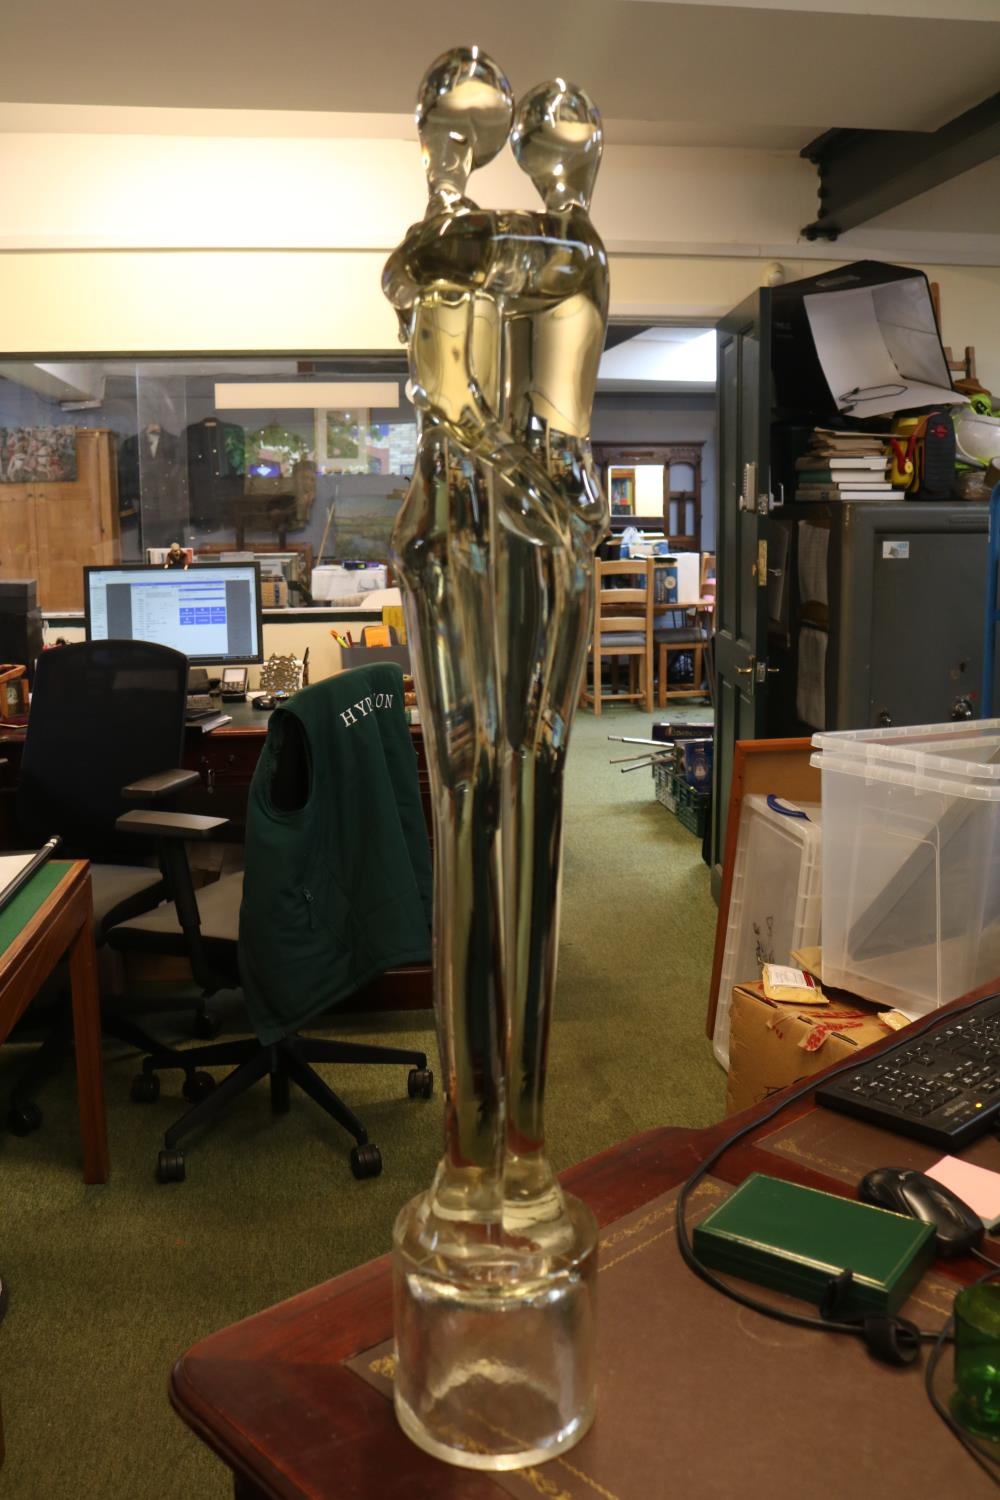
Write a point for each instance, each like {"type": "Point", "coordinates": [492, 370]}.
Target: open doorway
{"type": "Point", "coordinates": [658, 486]}
{"type": "Point", "coordinates": [654, 432]}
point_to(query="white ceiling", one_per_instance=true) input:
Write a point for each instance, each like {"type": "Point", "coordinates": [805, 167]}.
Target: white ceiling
{"type": "Point", "coordinates": [767, 73]}
{"type": "Point", "coordinates": [660, 359]}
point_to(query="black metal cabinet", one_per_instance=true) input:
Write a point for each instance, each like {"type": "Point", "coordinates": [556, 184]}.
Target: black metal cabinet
{"type": "Point", "coordinates": [906, 600]}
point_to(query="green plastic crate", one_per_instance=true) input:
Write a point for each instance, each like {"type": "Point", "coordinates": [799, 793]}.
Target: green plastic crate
{"type": "Point", "coordinates": [665, 783]}
{"type": "Point", "coordinates": [692, 807]}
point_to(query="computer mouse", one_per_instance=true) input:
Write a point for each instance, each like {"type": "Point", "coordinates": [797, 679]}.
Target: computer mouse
{"type": "Point", "coordinates": [905, 1191]}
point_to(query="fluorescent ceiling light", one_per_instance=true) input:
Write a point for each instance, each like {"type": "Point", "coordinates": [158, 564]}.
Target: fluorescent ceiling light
{"type": "Point", "coordinates": [300, 395]}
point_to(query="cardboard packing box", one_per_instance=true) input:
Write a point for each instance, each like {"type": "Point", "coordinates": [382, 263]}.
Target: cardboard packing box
{"type": "Point", "coordinates": [273, 593]}
{"type": "Point", "coordinates": [773, 1044]}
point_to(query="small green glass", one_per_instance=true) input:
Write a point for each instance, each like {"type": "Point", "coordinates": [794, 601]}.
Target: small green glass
{"type": "Point", "coordinates": [976, 1402]}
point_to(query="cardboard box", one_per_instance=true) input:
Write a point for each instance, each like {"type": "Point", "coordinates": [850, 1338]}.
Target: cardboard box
{"type": "Point", "coordinates": [273, 593]}
{"type": "Point", "coordinates": [772, 1044]}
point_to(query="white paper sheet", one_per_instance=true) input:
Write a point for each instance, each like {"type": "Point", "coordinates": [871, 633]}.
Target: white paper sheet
{"type": "Point", "coordinates": [859, 354]}
{"type": "Point", "coordinates": [11, 866]}
{"type": "Point", "coordinates": [810, 693]}
{"type": "Point", "coordinates": [814, 543]}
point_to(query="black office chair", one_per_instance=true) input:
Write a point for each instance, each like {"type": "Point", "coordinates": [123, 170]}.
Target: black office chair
{"type": "Point", "coordinates": [106, 730]}
{"type": "Point", "coordinates": [204, 927]}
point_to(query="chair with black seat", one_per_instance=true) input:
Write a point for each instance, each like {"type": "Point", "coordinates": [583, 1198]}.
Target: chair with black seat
{"type": "Point", "coordinates": [336, 890]}
{"type": "Point", "coordinates": [106, 729]}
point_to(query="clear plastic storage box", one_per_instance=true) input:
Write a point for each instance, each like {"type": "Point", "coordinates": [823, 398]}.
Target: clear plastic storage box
{"type": "Point", "coordinates": [775, 899]}
{"type": "Point", "coordinates": [911, 861]}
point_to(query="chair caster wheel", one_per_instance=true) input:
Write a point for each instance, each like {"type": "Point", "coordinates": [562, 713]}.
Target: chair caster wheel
{"type": "Point", "coordinates": [206, 1026]}
{"type": "Point", "coordinates": [197, 1086]}
{"type": "Point", "coordinates": [170, 1166]}
{"type": "Point", "coordinates": [145, 1088]}
{"type": "Point", "coordinates": [420, 1083]}
{"type": "Point", "coordinates": [22, 1119]}
{"type": "Point", "coordinates": [366, 1160]}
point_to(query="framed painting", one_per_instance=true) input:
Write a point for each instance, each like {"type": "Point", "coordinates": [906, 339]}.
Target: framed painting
{"type": "Point", "coordinates": [37, 454]}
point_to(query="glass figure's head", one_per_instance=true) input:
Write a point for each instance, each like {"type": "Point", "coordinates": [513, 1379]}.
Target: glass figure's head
{"type": "Point", "coordinates": [557, 139]}
{"type": "Point", "coordinates": [464, 111]}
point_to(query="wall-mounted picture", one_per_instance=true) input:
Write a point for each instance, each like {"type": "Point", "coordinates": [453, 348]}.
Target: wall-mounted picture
{"type": "Point", "coordinates": [35, 454]}
{"type": "Point", "coordinates": [362, 525]}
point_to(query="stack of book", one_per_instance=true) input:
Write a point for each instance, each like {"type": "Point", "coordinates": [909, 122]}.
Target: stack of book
{"type": "Point", "coordinates": [843, 466]}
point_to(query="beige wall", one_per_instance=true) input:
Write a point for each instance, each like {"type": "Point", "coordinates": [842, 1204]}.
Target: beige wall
{"type": "Point", "coordinates": [301, 301]}
{"type": "Point", "coordinates": [73, 191]}
{"type": "Point", "coordinates": [289, 637]}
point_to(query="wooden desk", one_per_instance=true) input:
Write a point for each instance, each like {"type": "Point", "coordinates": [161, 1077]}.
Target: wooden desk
{"type": "Point", "coordinates": [63, 924]}
{"type": "Point", "coordinates": [225, 759]}
{"type": "Point", "coordinates": [272, 1395]}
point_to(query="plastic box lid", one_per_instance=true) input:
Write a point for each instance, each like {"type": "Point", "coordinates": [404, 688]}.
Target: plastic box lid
{"type": "Point", "coordinates": [968, 749]}
{"type": "Point", "coordinates": [948, 780]}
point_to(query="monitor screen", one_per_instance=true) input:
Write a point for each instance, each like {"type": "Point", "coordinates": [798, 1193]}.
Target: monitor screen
{"type": "Point", "coordinates": [211, 613]}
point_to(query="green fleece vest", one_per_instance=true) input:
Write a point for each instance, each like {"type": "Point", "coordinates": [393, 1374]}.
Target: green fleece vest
{"type": "Point", "coordinates": [339, 889]}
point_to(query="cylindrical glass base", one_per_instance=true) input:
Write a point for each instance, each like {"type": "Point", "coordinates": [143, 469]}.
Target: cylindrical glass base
{"type": "Point", "coordinates": [495, 1334]}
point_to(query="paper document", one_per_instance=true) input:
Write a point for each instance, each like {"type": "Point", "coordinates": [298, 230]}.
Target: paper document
{"type": "Point", "coordinates": [810, 695]}
{"type": "Point", "coordinates": [814, 544]}
{"type": "Point", "coordinates": [16, 869]}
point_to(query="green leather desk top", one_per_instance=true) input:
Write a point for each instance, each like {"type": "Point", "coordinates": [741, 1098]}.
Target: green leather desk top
{"type": "Point", "coordinates": [18, 914]}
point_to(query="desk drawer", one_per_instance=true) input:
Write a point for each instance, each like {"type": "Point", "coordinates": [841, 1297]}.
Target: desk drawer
{"type": "Point", "coordinates": [224, 760]}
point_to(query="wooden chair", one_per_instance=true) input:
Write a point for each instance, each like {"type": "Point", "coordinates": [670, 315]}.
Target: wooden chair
{"type": "Point", "coordinates": [679, 627]}
{"type": "Point", "coordinates": [623, 626]}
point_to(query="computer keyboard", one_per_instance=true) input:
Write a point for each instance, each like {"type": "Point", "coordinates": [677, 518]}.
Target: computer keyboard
{"type": "Point", "coordinates": [943, 1088]}
{"type": "Point", "coordinates": [199, 706]}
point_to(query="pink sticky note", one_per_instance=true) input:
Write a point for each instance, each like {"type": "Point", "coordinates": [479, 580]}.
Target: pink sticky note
{"type": "Point", "coordinates": [976, 1186]}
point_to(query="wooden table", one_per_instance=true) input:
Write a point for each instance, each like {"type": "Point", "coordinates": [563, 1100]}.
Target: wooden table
{"type": "Point", "coordinates": [272, 1395]}
{"type": "Point", "coordinates": [63, 925]}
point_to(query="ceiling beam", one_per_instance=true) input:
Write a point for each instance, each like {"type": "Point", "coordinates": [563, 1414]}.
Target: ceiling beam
{"type": "Point", "coordinates": [863, 173]}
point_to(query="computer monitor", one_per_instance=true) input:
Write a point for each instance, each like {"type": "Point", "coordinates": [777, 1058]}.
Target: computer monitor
{"type": "Point", "coordinates": [211, 613]}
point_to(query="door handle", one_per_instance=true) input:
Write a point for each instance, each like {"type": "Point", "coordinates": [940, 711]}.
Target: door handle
{"type": "Point", "coordinates": [744, 671]}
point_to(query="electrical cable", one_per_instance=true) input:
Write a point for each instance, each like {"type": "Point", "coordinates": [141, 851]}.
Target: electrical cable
{"type": "Point", "coordinates": [870, 393]}
{"type": "Point", "coordinates": [894, 1340]}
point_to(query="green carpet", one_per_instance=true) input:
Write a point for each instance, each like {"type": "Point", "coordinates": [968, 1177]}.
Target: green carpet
{"type": "Point", "coordinates": [108, 1285]}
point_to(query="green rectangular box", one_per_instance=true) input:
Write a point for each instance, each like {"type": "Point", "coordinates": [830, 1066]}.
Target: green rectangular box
{"type": "Point", "coordinates": [797, 1240]}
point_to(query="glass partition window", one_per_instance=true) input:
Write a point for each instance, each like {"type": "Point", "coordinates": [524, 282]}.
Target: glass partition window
{"type": "Point", "coordinates": [301, 460]}
{"type": "Point", "coordinates": [109, 461]}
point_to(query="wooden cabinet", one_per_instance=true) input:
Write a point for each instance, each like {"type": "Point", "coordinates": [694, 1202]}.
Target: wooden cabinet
{"type": "Point", "coordinates": [51, 530]}
{"type": "Point", "coordinates": [680, 516]}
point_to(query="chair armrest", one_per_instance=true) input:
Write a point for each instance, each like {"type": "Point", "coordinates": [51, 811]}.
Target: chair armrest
{"type": "Point", "coordinates": [168, 825]}
{"type": "Point", "coordinates": [158, 788]}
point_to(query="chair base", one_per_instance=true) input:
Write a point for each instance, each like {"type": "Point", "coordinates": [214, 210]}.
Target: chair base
{"type": "Point", "coordinates": [23, 1112]}
{"type": "Point", "coordinates": [284, 1062]}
